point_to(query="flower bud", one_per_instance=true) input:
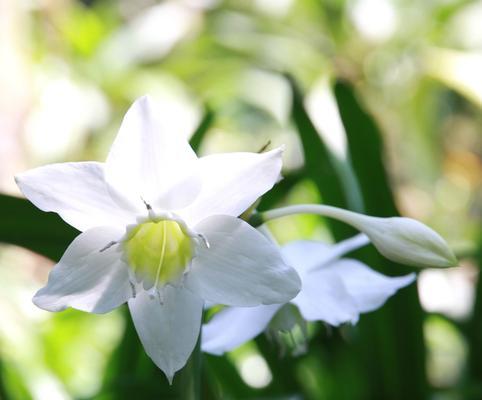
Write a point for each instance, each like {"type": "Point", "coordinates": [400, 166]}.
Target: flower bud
{"type": "Point", "coordinates": [405, 240]}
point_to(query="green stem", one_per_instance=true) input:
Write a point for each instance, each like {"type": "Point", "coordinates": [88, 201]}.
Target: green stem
{"type": "Point", "coordinates": [346, 216]}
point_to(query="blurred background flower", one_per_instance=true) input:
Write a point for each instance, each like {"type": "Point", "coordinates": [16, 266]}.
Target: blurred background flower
{"type": "Point", "coordinates": [68, 71]}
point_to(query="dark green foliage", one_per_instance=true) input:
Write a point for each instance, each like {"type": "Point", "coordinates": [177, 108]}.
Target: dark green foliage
{"type": "Point", "coordinates": [392, 338]}
{"type": "Point", "coordinates": [22, 224]}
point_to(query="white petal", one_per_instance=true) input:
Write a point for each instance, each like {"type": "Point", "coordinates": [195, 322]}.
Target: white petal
{"type": "Point", "coordinates": [241, 267]}
{"type": "Point", "coordinates": [232, 182]}
{"type": "Point", "coordinates": [306, 255]}
{"type": "Point", "coordinates": [168, 330]}
{"type": "Point", "coordinates": [324, 297]}
{"type": "Point", "coordinates": [78, 193]}
{"type": "Point", "coordinates": [147, 161]}
{"type": "Point", "coordinates": [233, 326]}
{"type": "Point", "coordinates": [89, 276]}
{"type": "Point", "coordinates": [368, 288]}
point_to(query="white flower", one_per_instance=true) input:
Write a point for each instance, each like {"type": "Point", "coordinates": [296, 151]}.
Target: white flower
{"type": "Point", "coordinates": [333, 290]}
{"type": "Point", "coordinates": [159, 231]}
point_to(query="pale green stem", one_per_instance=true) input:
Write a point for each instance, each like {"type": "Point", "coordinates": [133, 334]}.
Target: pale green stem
{"type": "Point", "coordinates": [348, 217]}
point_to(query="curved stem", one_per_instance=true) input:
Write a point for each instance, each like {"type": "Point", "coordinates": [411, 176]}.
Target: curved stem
{"type": "Point", "coordinates": [340, 214]}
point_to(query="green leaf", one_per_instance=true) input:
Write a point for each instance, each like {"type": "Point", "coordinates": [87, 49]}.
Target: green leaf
{"type": "Point", "coordinates": [392, 344]}
{"type": "Point", "coordinates": [320, 165]}
{"type": "Point", "coordinates": [206, 122]}
{"type": "Point", "coordinates": [22, 224]}
{"type": "Point", "coordinates": [475, 334]}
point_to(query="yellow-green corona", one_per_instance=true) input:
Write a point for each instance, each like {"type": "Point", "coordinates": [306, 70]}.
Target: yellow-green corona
{"type": "Point", "coordinates": [158, 252]}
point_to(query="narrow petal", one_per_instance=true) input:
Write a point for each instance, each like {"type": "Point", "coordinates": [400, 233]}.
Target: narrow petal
{"type": "Point", "coordinates": [324, 297]}
{"type": "Point", "coordinates": [147, 161]}
{"type": "Point", "coordinates": [89, 276]}
{"type": "Point", "coordinates": [169, 329]}
{"type": "Point", "coordinates": [78, 193]}
{"type": "Point", "coordinates": [306, 255]}
{"type": "Point", "coordinates": [233, 326]}
{"type": "Point", "coordinates": [232, 182]}
{"type": "Point", "coordinates": [368, 288]}
{"type": "Point", "coordinates": [241, 267]}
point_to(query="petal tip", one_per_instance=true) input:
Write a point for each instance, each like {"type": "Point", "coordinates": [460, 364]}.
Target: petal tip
{"type": "Point", "coordinates": [170, 377]}
{"type": "Point", "coordinates": [144, 99]}
{"type": "Point", "coordinates": [44, 303]}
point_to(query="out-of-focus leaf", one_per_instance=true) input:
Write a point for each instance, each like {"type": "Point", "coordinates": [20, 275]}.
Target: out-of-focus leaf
{"type": "Point", "coordinates": [23, 224]}
{"type": "Point", "coordinates": [366, 150]}
{"type": "Point", "coordinates": [224, 379]}
{"type": "Point", "coordinates": [475, 336]}
{"type": "Point", "coordinates": [319, 163]}
{"type": "Point", "coordinates": [281, 190]}
{"type": "Point", "coordinates": [12, 386]}
{"type": "Point", "coordinates": [204, 125]}
{"type": "Point", "coordinates": [3, 390]}
{"type": "Point", "coordinates": [392, 340]}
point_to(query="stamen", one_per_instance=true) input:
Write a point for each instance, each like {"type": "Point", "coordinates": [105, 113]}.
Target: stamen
{"type": "Point", "coordinates": [133, 287]}
{"type": "Point", "coordinates": [265, 146]}
{"type": "Point", "coordinates": [148, 206]}
{"type": "Point", "coordinates": [107, 246]}
{"type": "Point", "coordinates": [204, 240]}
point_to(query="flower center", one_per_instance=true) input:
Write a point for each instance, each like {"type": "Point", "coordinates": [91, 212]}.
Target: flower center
{"type": "Point", "coordinates": [158, 252]}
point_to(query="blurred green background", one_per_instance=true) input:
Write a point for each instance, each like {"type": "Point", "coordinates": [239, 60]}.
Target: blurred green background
{"type": "Point", "coordinates": [379, 105]}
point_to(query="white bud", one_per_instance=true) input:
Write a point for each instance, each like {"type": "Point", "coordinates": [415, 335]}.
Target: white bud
{"type": "Point", "coordinates": [406, 241]}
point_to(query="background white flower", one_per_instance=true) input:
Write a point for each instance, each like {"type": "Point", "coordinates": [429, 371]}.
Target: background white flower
{"type": "Point", "coordinates": [159, 231]}
{"type": "Point", "coordinates": [334, 290]}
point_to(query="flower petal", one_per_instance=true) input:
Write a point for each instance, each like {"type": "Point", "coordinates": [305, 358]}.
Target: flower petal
{"type": "Point", "coordinates": [324, 297]}
{"type": "Point", "coordinates": [241, 267]}
{"type": "Point", "coordinates": [368, 288]}
{"type": "Point", "coordinates": [146, 161]}
{"type": "Point", "coordinates": [88, 277]}
{"type": "Point", "coordinates": [233, 326]}
{"type": "Point", "coordinates": [169, 329]}
{"type": "Point", "coordinates": [306, 255]}
{"type": "Point", "coordinates": [232, 182]}
{"type": "Point", "coordinates": [78, 193]}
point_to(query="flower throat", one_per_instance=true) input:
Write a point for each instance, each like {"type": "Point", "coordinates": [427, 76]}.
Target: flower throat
{"type": "Point", "coordinates": [158, 252]}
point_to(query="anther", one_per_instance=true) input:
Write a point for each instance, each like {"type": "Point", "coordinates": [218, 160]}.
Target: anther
{"type": "Point", "coordinates": [107, 246]}
{"type": "Point", "coordinates": [204, 240]}
{"type": "Point", "coordinates": [133, 288]}
{"type": "Point", "coordinates": [148, 206]}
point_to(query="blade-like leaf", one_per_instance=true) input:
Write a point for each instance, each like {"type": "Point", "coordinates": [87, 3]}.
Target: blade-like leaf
{"type": "Point", "coordinates": [320, 166]}
{"type": "Point", "coordinates": [203, 127]}
{"type": "Point", "coordinates": [392, 339]}
{"type": "Point", "coordinates": [23, 224]}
